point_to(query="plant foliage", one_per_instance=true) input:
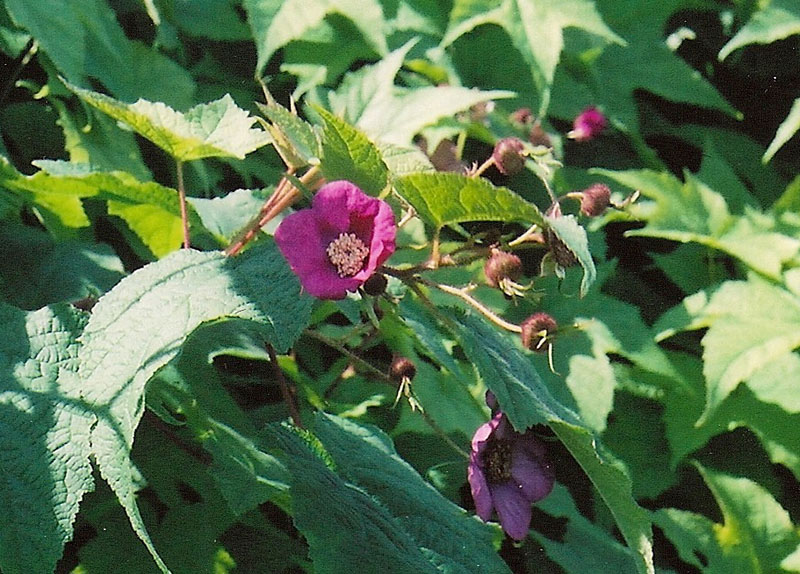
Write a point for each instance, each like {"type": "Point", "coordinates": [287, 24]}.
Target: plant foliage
{"type": "Point", "coordinates": [172, 400]}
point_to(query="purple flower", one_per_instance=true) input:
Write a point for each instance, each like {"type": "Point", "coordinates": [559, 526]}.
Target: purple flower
{"type": "Point", "coordinates": [337, 244]}
{"type": "Point", "coordinates": [507, 473]}
{"type": "Point", "coordinates": [588, 125]}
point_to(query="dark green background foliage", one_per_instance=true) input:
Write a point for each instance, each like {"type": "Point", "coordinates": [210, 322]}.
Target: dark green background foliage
{"type": "Point", "coordinates": [142, 424]}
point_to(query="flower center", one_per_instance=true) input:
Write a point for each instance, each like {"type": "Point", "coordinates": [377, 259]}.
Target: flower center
{"type": "Point", "coordinates": [347, 253]}
{"type": "Point", "coordinates": [497, 461]}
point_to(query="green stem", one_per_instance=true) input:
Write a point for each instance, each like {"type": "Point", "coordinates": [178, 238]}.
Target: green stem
{"type": "Point", "coordinates": [182, 201]}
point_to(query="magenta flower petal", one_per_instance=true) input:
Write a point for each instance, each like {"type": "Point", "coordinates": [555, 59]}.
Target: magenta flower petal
{"type": "Point", "coordinates": [513, 510]}
{"type": "Point", "coordinates": [588, 125]}
{"type": "Point", "coordinates": [337, 244]}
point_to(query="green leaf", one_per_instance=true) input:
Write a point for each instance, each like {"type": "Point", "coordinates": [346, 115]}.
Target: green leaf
{"type": "Point", "coordinates": [44, 436]}
{"type": "Point", "coordinates": [692, 211]}
{"type": "Point", "coordinates": [151, 210]}
{"type": "Point", "coordinates": [573, 236]}
{"type": "Point", "coordinates": [445, 198]}
{"type": "Point", "coordinates": [44, 271]}
{"type": "Point", "coordinates": [141, 324]}
{"type": "Point", "coordinates": [224, 217]}
{"type": "Point", "coordinates": [101, 143]}
{"type": "Point", "coordinates": [295, 140]}
{"type": "Point", "coordinates": [192, 387]}
{"type": "Point", "coordinates": [526, 401]}
{"type": "Point", "coordinates": [370, 100]}
{"type": "Point", "coordinates": [349, 154]}
{"type": "Point", "coordinates": [84, 40]}
{"type": "Point", "coordinates": [276, 24]}
{"type": "Point", "coordinates": [216, 129]}
{"type": "Point", "coordinates": [608, 80]}
{"type": "Point", "coordinates": [59, 202]}
{"type": "Point", "coordinates": [212, 19]}
{"type": "Point", "coordinates": [776, 20]}
{"type": "Point", "coordinates": [785, 132]}
{"type": "Point", "coordinates": [536, 28]}
{"type": "Point", "coordinates": [752, 324]}
{"type": "Point", "coordinates": [756, 536]}
{"type": "Point", "coordinates": [584, 547]}
{"type": "Point", "coordinates": [397, 518]}
{"type": "Point", "coordinates": [774, 427]}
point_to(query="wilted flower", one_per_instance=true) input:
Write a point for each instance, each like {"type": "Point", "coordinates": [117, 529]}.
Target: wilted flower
{"type": "Point", "coordinates": [509, 156]}
{"type": "Point", "coordinates": [588, 125]}
{"type": "Point", "coordinates": [537, 330]}
{"type": "Point", "coordinates": [595, 199]}
{"type": "Point", "coordinates": [337, 244]}
{"type": "Point", "coordinates": [508, 472]}
{"type": "Point", "coordinates": [502, 270]}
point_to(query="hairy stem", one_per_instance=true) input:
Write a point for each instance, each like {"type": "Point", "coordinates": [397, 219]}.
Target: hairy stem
{"type": "Point", "coordinates": [285, 194]}
{"type": "Point", "coordinates": [377, 373]}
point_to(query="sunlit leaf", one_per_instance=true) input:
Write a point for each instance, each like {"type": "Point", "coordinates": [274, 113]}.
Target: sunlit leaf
{"type": "Point", "coordinates": [445, 198]}
{"type": "Point", "coordinates": [215, 129]}
{"type": "Point", "coordinates": [775, 20]}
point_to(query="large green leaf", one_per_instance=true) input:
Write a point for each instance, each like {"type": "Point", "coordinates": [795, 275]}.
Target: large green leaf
{"type": "Point", "coordinates": [751, 326]}
{"type": "Point", "coordinates": [216, 129]}
{"type": "Point", "coordinates": [387, 113]}
{"type": "Point", "coordinates": [379, 513]}
{"type": "Point", "coordinates": [536, 28]}
{"type": "Point", "coordinates": [349, 154]}
{"type": "Point", "coordinates": [84, 40]}
{"type": "Point", "coordinates": [141, 324]}
{"type": "Point", "coordinates": [584, 546]}
{"type": "Point", "coordinates": [756, 536]}
{"type": "Point", "coordinates": [774, 427]}
{"type": "Point", "coordinates": [692, 211]}
{"type": "Point", "coordinates": [275, 24]}
{"type": "Point", "coordinates": [151, 210]}
{"type": "Point", "coordinates": [444, 198]}
{"type": "Point", "coordinates": [192, 388]}
{"type": "Point", "coordinates": [526, 401]}
{"type": "Point", "coordinates": [44, 271]}
{"type": "Point", "coordinates": [775, 20]}
{"type": "Point", "coordinates": [44, 436]}
{"type": "Point", "coordinates": [608, 80]}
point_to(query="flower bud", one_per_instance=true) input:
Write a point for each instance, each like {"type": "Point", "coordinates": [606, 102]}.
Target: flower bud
{"type": "Point", "coordinates": [502, 266]}
{"type": "Point", "coordinates": [521, 116]}
{"type": "Point", "coordinates": [402, 369]}
{"type": "Point", "coordinates": [536, 330]}
{"type": "Point", "coordinates": [509, 156]}
{"type": "Point", "coordinates": [595, 199]}
{"type": "Point", "coordinates": [588, 125]}
{"type": "Point", "coordinates": [375, 285]}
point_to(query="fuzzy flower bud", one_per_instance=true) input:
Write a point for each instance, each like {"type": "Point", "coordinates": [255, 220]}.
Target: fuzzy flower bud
{"type": "Point", "coordinates": [402, 369]}
{"type": "Point", "coordinates": [509, 156]}
{"type": "Point", "coordinates": [588, 125]}
{"type": "Point", "coordinates": [502, 266]}
{"type": "Point", "coordinates": [537, 330]}
{"type": "Point", "coordinates": [595, 199]}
